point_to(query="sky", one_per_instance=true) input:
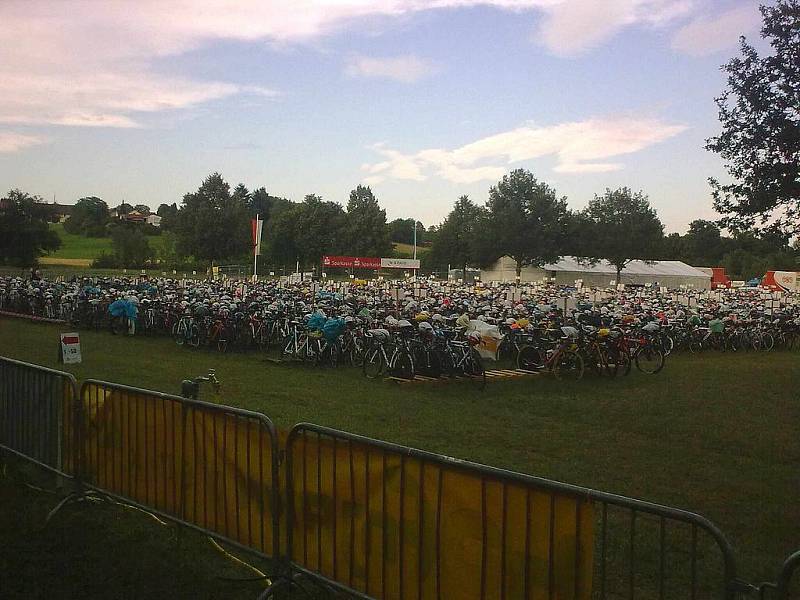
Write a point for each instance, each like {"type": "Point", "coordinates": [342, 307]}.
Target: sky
{"type": "Point", "coordinates": [422, 100]}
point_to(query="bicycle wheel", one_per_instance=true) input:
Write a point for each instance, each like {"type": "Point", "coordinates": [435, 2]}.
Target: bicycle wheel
{"type": "Point", "coordinates": [610, 361]}
{"type": "Point", "coordinates": [179, 334]}
{"type": "Point", "coordinates": [767, 341]}
{"type": "Point", "coordinates": [732, 343]}
{"type": "Point", "coordinates": [667, 343]}
{"type": "Point", "coordinates": [569, 366]}
{"type": "Point", "coordinates": [595, 359]}
{"type": "Point", "coordinates": [448, 366]}
{"type": "Point", "coordinates": [288, 345]}
{"type": "Point", "coordinates": [625, 362]}
{"type": "Point", "coordinates": [434, 364]}
{"type": "Point", "coordinates": [475, 370]}
{"type": "Point", "coordinates": [403, 366]}
{"type": "Point", "coordinates": [193, 336]}
{"type": "Point", "coordinates": [530, 358]}
{"type": "Point", "coordinates": [118, 325]}
{"type": "Point", "coordinates": [356, 353]}
{"type": "Point", "coordinates": [649, 360]}
{"type": "Point", "coordinates": [374, 364]}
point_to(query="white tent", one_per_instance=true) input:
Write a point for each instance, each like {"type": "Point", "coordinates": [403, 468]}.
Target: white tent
{"type": "Point", "coordinates": [669, 273]}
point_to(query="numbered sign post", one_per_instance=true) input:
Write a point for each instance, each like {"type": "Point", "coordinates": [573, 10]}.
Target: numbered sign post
{"type": "Point", "coordinates": [70, 348]}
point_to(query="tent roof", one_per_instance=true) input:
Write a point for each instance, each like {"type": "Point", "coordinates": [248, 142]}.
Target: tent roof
{"type": "Point", "coordinates": [674, 268]}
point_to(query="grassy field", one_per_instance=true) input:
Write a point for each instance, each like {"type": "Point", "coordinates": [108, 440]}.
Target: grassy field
{"type": "Point", "coordinates": [82, 248]}
{"type": "Point", "coordinates": [716, 435]}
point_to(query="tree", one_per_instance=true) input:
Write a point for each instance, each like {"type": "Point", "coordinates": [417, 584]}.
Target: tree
{"type": "Point", "coordinates": [241, 193]}
{"type": "Point", "coordinates": [703, 244]}
{"type": "Point", "coordinates": [672, 247]}
{"type": "Point", "coordinates": [131, 248]}
{"type": "Point", "coordinates": [142, 208]}
{"type": "Point", "coordinates": [319, 228]}
{"type": "Point", "coordinates": [89, 217]}
{"type": "Point", "coordinates": [280, 243]}
{"type": "Point", "coordinates": [212, 225]}
{"type": "Point", "coordinates": [760, 139]}
{"type": "Point", "coordinates": [455, 240]}
{"type": "Point", "coordinates": [621, 227]}
{"type": "Point", "coordinates": [524, 220]}
{"type": "Point", "coordinates": [124, 208]}
{"type": "Point", "coordinates": [263, 204]}
{"type": "Point", "coordinates": [168, 251]}
{"type": "Point", "coordinates": [24, 231]}
{"type": "Point", "coordinates": [168, 214]}
{"type": "Point", "coordinates": [367, 232]}
{"type": "Point", "coordinates": [401, 231]}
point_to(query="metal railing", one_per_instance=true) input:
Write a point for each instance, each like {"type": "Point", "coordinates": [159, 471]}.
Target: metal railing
{"type": "Point", "coordinates": [210, 467]}
{"type": "Point", "coordinates": [363, 516]}
{"type": "Point", "coordinates": [372, 518]}
{"type": "Point", "coordinates": [38, 415]}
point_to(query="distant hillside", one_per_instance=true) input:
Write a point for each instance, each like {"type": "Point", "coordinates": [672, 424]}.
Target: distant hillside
{"type": "Point", "coordinates": [77, 250]}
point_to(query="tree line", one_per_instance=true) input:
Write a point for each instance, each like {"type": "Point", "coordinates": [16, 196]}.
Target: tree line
{"type": "Point", "coordinates": [523, 218]}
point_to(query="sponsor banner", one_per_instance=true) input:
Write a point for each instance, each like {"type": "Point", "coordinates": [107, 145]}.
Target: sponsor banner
{"type": "Point", "coordinates": [399, 263]}
{"type": "Point", "coordinates": [357, 262]}
{"type": "Point", "coordinates": [365, 262]}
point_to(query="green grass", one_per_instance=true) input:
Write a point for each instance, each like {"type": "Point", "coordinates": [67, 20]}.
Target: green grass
{"type": "Point", "coordinates": [99, 550]}
{"type": "Point", "coordinates": [88, 248]}
{"type": "Point", "coordinates": [716, 435]}
{"type": "Point", "coordinates": [409, 249]}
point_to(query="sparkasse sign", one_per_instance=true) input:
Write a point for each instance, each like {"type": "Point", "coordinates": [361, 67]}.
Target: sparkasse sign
{"type": "Point", "coordinates": [365, 262]}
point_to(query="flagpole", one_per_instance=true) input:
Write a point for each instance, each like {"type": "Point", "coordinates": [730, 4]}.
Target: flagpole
{"type": "Point", "coordinates": [255, 254]}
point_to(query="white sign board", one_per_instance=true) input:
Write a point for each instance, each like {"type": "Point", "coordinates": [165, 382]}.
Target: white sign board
{"type": "Point", "coordinates": [70, 348]}
{"type": "Point", "coordinates": [399, 263]}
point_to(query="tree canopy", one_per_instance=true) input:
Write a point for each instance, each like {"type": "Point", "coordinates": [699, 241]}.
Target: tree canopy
{"type": "Point", "coordinates": [367, 231]}
{"type": "Point", "coordinates": [525, 220]}
{"type": "Point", "coordinates": [621, 226]}
{"type": "Point", "coordinates": [89, 217]}
{"type": "Point", "coordinates": [401, 231]}
{"type": "Point", "coordinates": [760, 138]}
{"type": "Point", "coordinates": [455, 242]}
{"type": "Point", "coordinates": [24, 231]}
{"type": "Point", "coordinates": [212, 224]}
{"type": "Point", "coordinates": [131, 248]}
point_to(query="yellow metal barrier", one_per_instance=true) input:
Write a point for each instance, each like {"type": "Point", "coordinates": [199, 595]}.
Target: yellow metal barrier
{"type": "Point", "coordinates": [208, 466]}
{"type": "Point", "coordinates": [392, 522]}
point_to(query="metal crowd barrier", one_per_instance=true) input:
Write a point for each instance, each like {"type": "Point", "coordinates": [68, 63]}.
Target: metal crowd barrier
{"type": "Point", "coordinates": [370, 518]}
{"type": "Point", "coordinates": [210, 467]}
{"type": "Point", "coordinates": [380, 520]}
{"type": "Point", "coordinates": [38, 415]}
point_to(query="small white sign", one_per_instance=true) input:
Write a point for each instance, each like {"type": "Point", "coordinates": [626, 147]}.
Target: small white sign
{"type": "Point", "coordinates": [70, 348]}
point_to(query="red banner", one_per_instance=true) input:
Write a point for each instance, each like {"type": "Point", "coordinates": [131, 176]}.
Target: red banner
{"type": "Point", "coordinates": [356, 262]}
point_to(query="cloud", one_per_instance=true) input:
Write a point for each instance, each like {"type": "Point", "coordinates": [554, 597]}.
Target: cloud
{"type": "Point", "coordinates": [85, 63]}
{"type": "Point", "coordinates": [406, 69]}
{"type": "Point", "coordinates": [713, 33]}
{"type": "Point", "coordinates": [244, 146]}
{"type": "Point", "coordinates": [579, 147]}
{"type": "Point", "coordinates": [574, 26]}
{"type": "Point", "coordinates": [11, 141]}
